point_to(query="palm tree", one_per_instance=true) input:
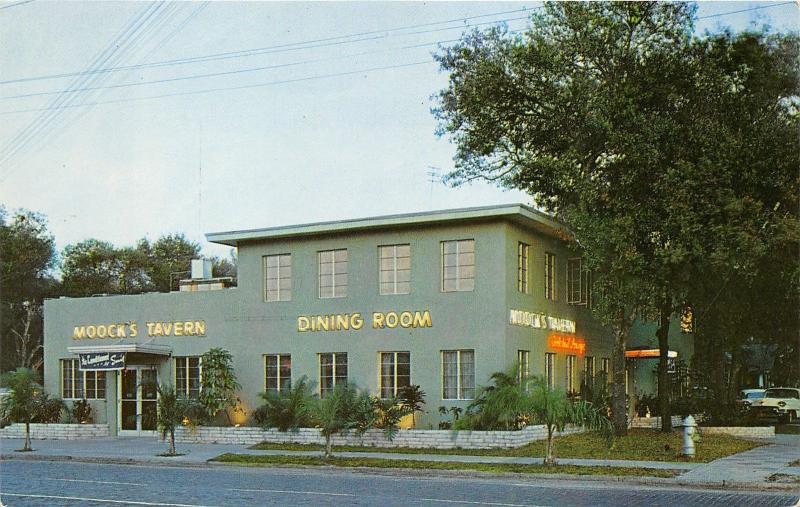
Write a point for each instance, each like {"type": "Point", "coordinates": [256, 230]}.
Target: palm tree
{"type": "Point", "coordinates": [173, 411]}
{"type": "Point", "coordinates": [342, 409]}
{"type": "Point", "coordinates": [552, 408]}
{"type": "Point", "coordinates": [412, 397]}
{"type": "Point", "coordinates": [286, 410]}
{"type": "Point", "coordinates": [24, 401]}
{"type": "Point", "coordinates": [499, 406]}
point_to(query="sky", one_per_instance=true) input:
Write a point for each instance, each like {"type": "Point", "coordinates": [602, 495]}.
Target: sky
{"type": "Point", "coordinates": [302, 112]}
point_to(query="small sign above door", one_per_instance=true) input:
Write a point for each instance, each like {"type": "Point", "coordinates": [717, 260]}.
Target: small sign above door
{"type": "Point", "coordinates": [102, 361]}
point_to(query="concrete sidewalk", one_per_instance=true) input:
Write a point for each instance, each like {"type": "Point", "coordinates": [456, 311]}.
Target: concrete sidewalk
{"type": "Point", "coordinates": [756, 465]}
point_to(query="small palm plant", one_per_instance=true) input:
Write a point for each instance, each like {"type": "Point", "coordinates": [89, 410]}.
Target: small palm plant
{"type": "Point", "coordinates": [287, 410]}
{"type": "Point", "coordinates": [174, 411]}
{"type": "Point", "coordinates": [412, 397]}
{"type": "Point", "coordinates": [389, 413]}
{"type": "Point", "coordinates": [551, 407]}
{"type": "Point", "coordinates": [24, 401]}
{"type": "Point", "coordinates": [341, 409]}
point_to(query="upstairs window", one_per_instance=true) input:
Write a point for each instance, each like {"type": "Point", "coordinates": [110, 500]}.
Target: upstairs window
{"type": "Point", "coordinates": [458, 265]}
{"type": "Point", "coordinates": [550, 276]}
{"type": "Point", "coordinates": [333, 274]}
{"type": "Point", "coordinates": [577, 282]}
{"type": "Point", "coordinates": [278, 277]}
{"type": "Point", "coordinates": [395, 269]}
{"type": "Point", "coordinates": [522, 267]}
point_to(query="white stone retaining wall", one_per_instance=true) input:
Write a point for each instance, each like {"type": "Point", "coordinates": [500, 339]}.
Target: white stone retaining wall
{"type": "Point", "coordinates": [439, 439]}
{"type": "Point", "coordinates": [739, 431]}
{"type": "Point", "coordinates": [56, 431]}
{"type": "Point", "coordinates": [654, 422]}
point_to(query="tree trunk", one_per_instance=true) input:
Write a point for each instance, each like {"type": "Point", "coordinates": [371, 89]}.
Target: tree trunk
{"type": "Point", "coordinates": [619, 410]}
{"type": "Point", "coordinates": [27, 445]}
{"type": "Point", "coordinates": [328, 446]}
{"type": "Point", "coordinates": [172, 441]}
{"type": "Point", "coordinates": [549, 458]}
{"type": "Point", "coordinates": [663, 359]}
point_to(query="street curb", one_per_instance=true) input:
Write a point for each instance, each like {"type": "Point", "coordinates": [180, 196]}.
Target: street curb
{"type": "Point", "coordinates": [424, 472]}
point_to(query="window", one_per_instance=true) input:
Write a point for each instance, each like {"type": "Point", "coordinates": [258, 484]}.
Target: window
{"type": "Point", "coordinates": [77, 384]}
{"type": "Point", "coordinates": [523, 364]}
{"type": "Point", "coordinates": [550, 369]}
{"type": "Point", "coordinates": [549, 276]}
{"type": "Point", "coordinates": [277, 372]}
{"type": "Point", "coordinates": [605, 366]}
{"type": "Point", "coordinates": [395, 372]}
{"type": "Point", "coordinates": [570, 384]}
{"type": "Point", "coordinates": [458, 374]}
{"type": "Point", "coordinates": [187, 376]}
{"type": "Point", "coordinates": [278, 277]}
{"type": "Point", "coordinates": [522, 267]}
{"type": "Point", "coordinates": [332, 371]}
{"type": "Point", "coordinates": [577, 282]}
{"type": "Point", "coordinates": [395, 269]}
{"type": "Point", "coordinates": [588, 368]}
{"type": "Point", "coordinates": [333, 274]}
{"type": "Point", "coordinates": [458, 265]}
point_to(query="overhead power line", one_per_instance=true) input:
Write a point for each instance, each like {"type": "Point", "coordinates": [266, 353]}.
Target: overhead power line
{"type": "Point", "coordinates": [294, 46]}
{"type": "Point", "coordinates": [239, 87]}
{"type": "Point", "coordinates": [15, 4]}
{"type": "Point", "coordinates": [256, 69]}
{"type": "Point", "coordinates": [744, 10]}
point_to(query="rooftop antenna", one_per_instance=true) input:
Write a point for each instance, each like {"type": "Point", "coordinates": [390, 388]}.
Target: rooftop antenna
{"type": "Point", "coordinates": [434, 176]}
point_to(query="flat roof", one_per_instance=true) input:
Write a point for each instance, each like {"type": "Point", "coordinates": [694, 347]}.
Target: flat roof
{"type": "Point", "coordinates": [519, 213]}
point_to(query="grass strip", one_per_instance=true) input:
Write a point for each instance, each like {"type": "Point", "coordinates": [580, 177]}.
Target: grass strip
{"type": "Point", "coordinates": [638, 444]}
{"type": "Point", "coordinates": [256, 460]}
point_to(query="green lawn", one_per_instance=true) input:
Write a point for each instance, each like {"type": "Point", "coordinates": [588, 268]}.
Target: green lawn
{"type": "Point", "coordinates": [267, 461]}
{"type": "Point", "coordinates": [639, 444]}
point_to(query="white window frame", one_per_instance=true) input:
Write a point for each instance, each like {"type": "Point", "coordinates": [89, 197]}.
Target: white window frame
{"type": "Point", "coordinates": [589, 368]}
{"type": "Point", "coordinates": [569, 378]}
{"type": "Point", "coordinates": [550, 369]}
{"type": "Point", "coordinates": [185, 389]}
{"type": "Point", "coordinates": [578, 287]}
{"type": "Point", "coordinates": [281, 258]}
{"type": "Point", "coordinates": [333, 369]}
{"type": "Point", "coordinates": [460, 388]}
{"type": "Point", "coordinates": [523, 256]}
{"type": "Point", "coordinates": [395, 388]}
{"type": "Point", "coordinates": [279, 378]}
{"type": "Point", "coordinates": [76, 374]}
{"type": "Point", "coordinates": [393, 270]}
{"type": "Point", "coordinates": [550, 278]}
{"type": "Point", "coordinates": [523, 363]}
{"type": "Point", "coordinates": [332, 274]}
{"type": "Point", "coordinates": [458, 267]}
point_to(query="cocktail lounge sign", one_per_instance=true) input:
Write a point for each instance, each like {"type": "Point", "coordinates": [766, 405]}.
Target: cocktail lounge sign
{"type": "Point", "coordinates": [102, 361]}
{"type": "Point", "coordinates": [131, 329]}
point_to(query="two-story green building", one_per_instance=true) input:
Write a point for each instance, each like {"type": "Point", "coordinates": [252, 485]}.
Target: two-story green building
{"type": "Point", "coordinates": [440, 299]}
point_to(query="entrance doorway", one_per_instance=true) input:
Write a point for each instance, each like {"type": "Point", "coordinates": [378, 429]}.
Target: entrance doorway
{"type": "Point", "coordinates": [138, 400]}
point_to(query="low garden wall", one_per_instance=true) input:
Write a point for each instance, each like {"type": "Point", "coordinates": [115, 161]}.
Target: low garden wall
{"type": "Point", "coordinates": [654, 422]}
{"type": "Point", "coordinates": [739, 431]}
{"type": "Point", "coordinates": [439, 439]}
{"type": "Point", "coordinates": [56, 431]}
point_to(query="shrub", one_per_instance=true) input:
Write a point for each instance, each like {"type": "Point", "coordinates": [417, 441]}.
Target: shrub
{"type": "Point", "coordinates": [412, 397]}
{"type": "Point", "coordinates": [218, 385]}
{"type": "Point", "coordinates": [82, 411]}
{"type": "Point", "coordinates": [50, 408]}
{"type": "Point", "coordinates": [389, 413]}
{"type": "Point", "coordinates": [287, 410]}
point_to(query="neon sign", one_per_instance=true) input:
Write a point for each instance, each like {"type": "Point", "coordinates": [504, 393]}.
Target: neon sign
{"type": "Point", "coordinates": [567, 343]}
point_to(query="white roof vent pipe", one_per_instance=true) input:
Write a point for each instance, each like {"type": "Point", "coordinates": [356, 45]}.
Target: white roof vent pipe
{"type": "Point", "coordinates": [201, 269]}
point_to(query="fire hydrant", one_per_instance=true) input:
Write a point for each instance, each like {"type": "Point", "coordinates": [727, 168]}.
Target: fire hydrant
{"type": "Point", "coordinates": [689, 429]}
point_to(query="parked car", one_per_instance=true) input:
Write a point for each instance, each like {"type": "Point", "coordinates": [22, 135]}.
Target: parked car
{"type": "Point", "coordinates": [746, 397]}
{"type": "Point", "coordinates": [782, 403]}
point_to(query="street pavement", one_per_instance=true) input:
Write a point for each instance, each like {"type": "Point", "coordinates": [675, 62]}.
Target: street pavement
{"type": "Point", "coordinates": [52, 483]}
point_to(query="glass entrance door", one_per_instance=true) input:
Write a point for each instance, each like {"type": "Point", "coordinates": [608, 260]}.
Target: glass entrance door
{"type": "Point", "coordinates": [138, 400]}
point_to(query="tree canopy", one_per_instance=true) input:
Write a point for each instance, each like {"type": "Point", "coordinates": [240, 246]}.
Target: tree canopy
{"type": "Point", "coordinates": [668, 156]}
